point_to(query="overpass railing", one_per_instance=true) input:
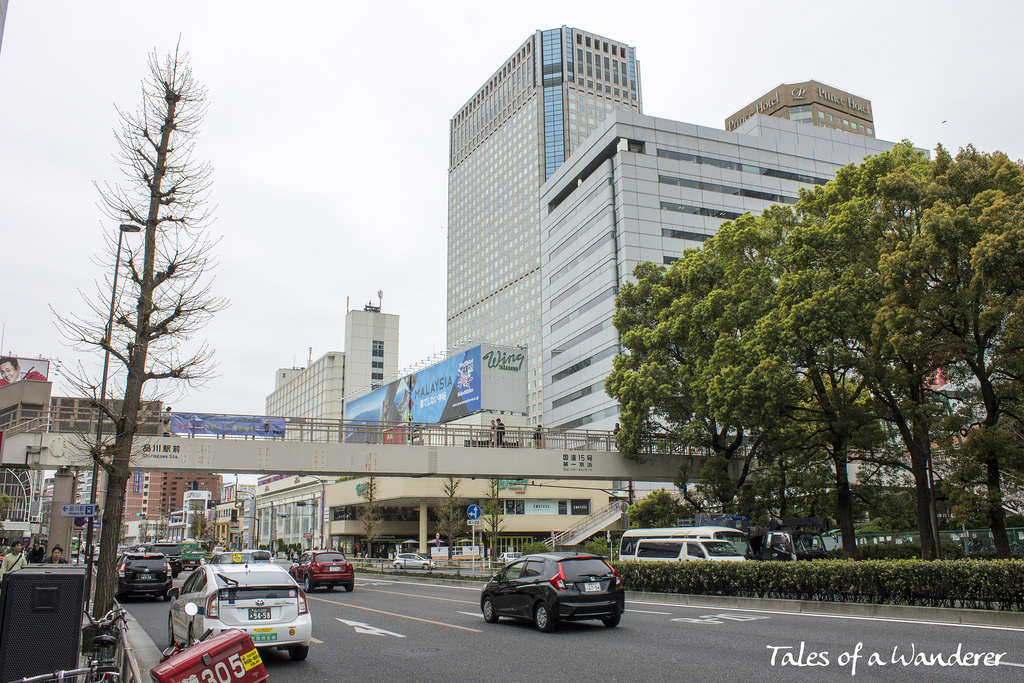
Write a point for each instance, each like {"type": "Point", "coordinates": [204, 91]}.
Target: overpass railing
{"type": "Point", "coordinates": [81, 419]}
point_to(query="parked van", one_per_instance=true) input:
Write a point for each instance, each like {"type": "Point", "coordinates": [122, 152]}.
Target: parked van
{"type": "Point", "coordinates": [627, 546]}
{"type": "Point", "coordinates": [683, 549]}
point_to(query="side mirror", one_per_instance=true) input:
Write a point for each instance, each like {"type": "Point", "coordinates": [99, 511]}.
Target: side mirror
{"type": "Point", "coordinates": [191, 609]}
{"type": "Point", "coordinates": [174, 593]}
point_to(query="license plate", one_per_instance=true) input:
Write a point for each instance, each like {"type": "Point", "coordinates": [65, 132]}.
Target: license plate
{"type": "Point", "coordinates": [145, 577]}
{"type": "Point", "coordinates": [335, 569]}
{"type": "Point", "coordinates": [259, 613]}
{"type": "Point", "coordinates": [592, 587]}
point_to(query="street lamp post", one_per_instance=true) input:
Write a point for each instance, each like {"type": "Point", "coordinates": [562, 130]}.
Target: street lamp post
{"type": "Point", "coordinates": [323, 502]}
{"type": "Point", "coordinates": [107, 341]}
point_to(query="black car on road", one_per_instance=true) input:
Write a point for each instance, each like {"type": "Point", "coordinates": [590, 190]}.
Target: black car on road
{"type": "Point", "coordinates": [550, 587]}
{"type": "Point", "coordinates": [171, 550]}
{"type": "Point", "coordinates": [143, 573]}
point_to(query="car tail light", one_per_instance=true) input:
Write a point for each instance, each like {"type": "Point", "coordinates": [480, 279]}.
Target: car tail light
{"type": "Point", "coordinates": [168, 568]}
{"type": "Point", "coordinates": [213, 606]}
{"type": "Point", "coordinates": [618, 579]}
{"type": "Point", "coordinates": [120, 571]}
{"type": "Point", "coordinates": [559, 581]}
{"type": "Point", "coordinates": [303, 608]}
{"type": "Point", "coordinates": [314, 566]}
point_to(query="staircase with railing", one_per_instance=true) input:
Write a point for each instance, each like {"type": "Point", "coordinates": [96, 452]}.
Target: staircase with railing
{"type": "Point", "coordinates": [589, 525]}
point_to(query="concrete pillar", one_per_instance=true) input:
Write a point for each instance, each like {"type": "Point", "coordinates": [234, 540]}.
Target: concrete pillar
{"type": "Point", "coordinates": [60, 527]}
{"type": "Point", "coordinates": [423, 527]}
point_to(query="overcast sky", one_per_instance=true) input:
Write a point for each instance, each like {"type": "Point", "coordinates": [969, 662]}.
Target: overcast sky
{"type": "Point", "coordinates": [328, 133]}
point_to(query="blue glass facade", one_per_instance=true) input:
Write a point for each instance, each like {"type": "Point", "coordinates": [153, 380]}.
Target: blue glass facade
{"type": "Point", "coordinates": [554, 125]}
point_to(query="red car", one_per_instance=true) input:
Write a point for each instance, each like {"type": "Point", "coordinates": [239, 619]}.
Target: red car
{"type": "Point", "coordinates": [327, 568]}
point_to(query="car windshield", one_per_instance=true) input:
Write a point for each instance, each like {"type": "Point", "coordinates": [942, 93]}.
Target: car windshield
{"type": "Point", "coordinates": [330, 557]}
{"type": "Point", "coordinates": [721, 549]}
{"type": "Point", "coordinates": [149, 563]}
{"type": "Point", "coordinates": [258, 592]}
{"type": "Point", "coordinates": [584, 567]}
{"type": "Point", "coordinates": [167, 549]}
{"type": "Point", "coordinates": [231, 558]}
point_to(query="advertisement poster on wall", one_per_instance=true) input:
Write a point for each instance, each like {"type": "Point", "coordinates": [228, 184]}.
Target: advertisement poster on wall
{"type": "Point", "coordinates": [14, 369]}
{"type": "Point", "coordinates": [442, 392]}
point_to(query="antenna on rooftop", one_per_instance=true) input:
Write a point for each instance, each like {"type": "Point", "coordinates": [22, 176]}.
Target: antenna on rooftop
{"type": "Point", "coordinates": [380, 297]}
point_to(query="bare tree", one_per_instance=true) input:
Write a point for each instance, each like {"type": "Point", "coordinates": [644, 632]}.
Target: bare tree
{"type": "Point", "coordinates": [370, 514]}
{"type": "Point", "coordinates": [166, 299]}
{"type": "Point", "coordinates": [493, 510]}
{"type": "Point", "coordinates": [451, 514]}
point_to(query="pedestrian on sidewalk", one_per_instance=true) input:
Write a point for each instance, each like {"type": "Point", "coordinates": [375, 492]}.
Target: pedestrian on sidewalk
{"type": "Point", "coordinates": [13, 560]}
{"type": "Point", "coordinates": [56, 556]}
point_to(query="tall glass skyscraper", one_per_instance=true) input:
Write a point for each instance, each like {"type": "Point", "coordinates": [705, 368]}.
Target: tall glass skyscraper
{"type": "Point", "coordinates": [516, 130]}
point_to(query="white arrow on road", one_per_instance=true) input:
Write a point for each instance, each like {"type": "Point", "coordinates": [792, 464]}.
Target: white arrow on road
{"type": "Point", "coordinates": [371, 630]}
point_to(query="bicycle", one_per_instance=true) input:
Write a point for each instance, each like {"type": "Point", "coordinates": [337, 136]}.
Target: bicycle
{"type": "Point", "coordinates": [103, 664]}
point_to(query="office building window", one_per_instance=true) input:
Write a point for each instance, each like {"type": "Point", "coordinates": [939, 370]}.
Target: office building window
{"type": "Point", "coordinates": [378, 348]}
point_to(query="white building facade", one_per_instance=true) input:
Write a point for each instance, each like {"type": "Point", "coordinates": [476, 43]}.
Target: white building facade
{"type": "Point", "coordinates": [645, 189]}
{"type": "Point", "coordinates": [316, 392]}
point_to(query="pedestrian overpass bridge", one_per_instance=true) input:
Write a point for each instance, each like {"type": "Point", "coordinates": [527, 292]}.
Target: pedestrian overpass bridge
{"type": "Point", "coordinates": [338, 448]}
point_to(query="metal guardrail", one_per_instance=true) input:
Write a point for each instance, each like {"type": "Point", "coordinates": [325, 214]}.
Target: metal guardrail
{"type": "Point", "coordinates": [81, 420]}
{"type": "Point", "coordinates": [601, 517]}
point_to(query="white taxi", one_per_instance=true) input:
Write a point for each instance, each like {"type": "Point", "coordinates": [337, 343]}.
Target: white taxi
{"type": "Point", "coordinates": [261, 599]}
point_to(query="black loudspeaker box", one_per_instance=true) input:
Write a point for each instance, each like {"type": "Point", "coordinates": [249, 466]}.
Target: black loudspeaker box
{"type": "Point", "coordinates": [40, 620]}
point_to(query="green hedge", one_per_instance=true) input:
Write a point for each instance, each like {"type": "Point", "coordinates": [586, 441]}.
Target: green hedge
{"type": "Point", "coordinates": [975, 584]}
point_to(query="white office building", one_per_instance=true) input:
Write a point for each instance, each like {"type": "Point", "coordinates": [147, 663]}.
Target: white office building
{"type": "Point", "coordinates": [645, 189]}
{"type": "Point", "coordinates": [316, 392]}
{"type": "Point", "coordinates": [544, 101]}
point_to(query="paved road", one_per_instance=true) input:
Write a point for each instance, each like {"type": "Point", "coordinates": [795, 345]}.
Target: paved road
{"type": "Point", "coordinates": [390, 629]}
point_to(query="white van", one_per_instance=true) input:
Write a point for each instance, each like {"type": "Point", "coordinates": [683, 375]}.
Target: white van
{"type": "Point", "coordinates": [627, 546]}
{"type": "Point", "coordinates": [683, 549]}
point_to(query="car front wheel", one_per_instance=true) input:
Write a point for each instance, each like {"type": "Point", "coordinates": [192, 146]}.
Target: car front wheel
{"type": "Point", "coordinates": [545, 621]}
{"type": "Point", "coordinates": [490, 616]}
{"type": "Point", "coordinates": [309, 584]}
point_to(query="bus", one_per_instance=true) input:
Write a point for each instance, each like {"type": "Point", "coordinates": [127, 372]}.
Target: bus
{"type": "Point", "coordinates": [627, 546]}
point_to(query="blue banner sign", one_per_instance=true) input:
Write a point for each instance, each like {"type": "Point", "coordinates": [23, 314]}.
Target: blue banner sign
{"type": "Point", "coordinates": [233, 425]}
{"type": "Point", "coordinates": [440, 393]}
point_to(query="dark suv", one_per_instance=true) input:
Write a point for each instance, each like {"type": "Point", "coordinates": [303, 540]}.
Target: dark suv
{"type": "Point", "coordinates": [550, 587]}
{"type": "Point", "coordinates": [143, 574]}
{"type": "Point", "coordinates": [323, 568]}
{"type": "Point", "coordinates": [170, 550]}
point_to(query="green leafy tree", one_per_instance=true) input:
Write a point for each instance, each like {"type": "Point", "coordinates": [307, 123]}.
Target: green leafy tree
{"type": "Point", "coordinates": [6, 505]}
{"type": "Point", "coordinates": [598, 546]}
{"type": "Point", "coordinates": [687, 377]}
{"type": "Point", "coordinates": [657, 509]}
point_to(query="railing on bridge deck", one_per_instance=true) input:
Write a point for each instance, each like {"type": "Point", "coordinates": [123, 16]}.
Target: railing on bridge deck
{"type": "Point", "coordinates": [82, 420]}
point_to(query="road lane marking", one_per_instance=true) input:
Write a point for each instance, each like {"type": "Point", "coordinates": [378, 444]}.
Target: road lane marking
{"type": "Point", "coordinates": [318, 642]}
{"type": "Point", "coordinates": [832, 616]}
{"type": "Point", "coordinates": [362, 627]}
{"type": "Point", "coordinates": [472, 614]}
{"type": "Point", "coordinates": [644, 611]}
{"type": "Point", "coordinates": [392, 614]}
{"type": "Point", "coordinates": [424, 597]}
